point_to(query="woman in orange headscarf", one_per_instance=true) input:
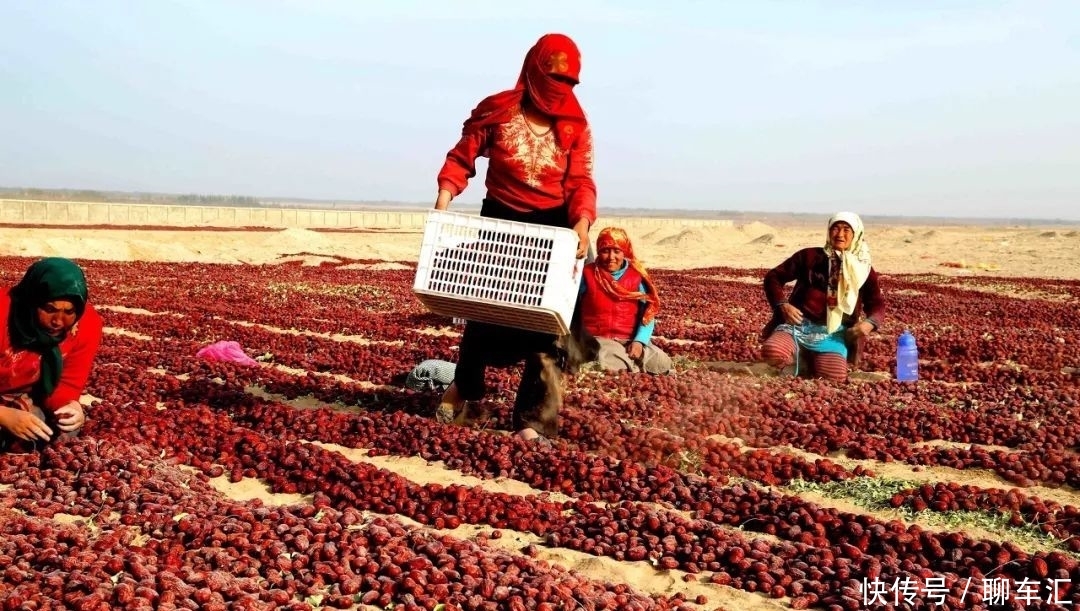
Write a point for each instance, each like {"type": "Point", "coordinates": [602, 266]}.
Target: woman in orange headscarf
{"type": "Point", "coordinates": [540, 171]}
{"type": "Point", "coordinates": [619, 303]}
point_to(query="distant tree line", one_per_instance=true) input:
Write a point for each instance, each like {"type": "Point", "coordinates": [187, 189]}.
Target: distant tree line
{"type": "Point", "coordinates": [75, 195]}
{"type": "Point", "coordinates": [85, 195]}
{"type": "Point", "coordinates": [245, 201]}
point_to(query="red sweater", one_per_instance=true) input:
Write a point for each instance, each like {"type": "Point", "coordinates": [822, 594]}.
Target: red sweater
{"type": "Point", "coordinates": [20, 369]}
{"type": "Point", "coordinates": [526, 172]}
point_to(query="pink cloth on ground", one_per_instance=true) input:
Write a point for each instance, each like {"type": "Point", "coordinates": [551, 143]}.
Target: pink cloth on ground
{"type": "Point", "coordinates": [226, 351]}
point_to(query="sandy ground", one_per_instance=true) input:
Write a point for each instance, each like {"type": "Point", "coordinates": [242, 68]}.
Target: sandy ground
{"type": "Point", "coordinates": [951, 250]}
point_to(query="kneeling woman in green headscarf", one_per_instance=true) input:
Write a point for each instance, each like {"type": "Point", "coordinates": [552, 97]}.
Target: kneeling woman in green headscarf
{"type": "Point", "coordinates": [47, 348]}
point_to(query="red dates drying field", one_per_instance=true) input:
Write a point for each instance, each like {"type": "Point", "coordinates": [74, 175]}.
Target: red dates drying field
{"type": "Point", "coordinates": [315, 480]}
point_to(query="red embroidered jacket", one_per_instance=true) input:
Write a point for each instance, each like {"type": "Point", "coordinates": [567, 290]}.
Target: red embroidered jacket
{"type": "Point", "coordinates": [526, 172]}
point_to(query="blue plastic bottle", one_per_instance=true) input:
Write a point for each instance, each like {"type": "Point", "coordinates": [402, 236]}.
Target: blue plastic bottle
{"type": "Point", "coordinates": [907, 358]}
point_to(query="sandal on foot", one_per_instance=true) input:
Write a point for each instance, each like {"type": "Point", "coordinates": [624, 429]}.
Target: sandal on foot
{"type": "Point", "coordinates": [537, 438]}
{"type": "Point", "coordinates": [450, 406]}
{"type": "Point", "coordinates": [542, 441]}
{"type": "Point", "coordinates": [445, 413]}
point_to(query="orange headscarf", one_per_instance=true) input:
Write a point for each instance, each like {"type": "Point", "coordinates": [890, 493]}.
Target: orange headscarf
{"type": "Point", "coordinates": [614, 236]}
{"type": "Point", "coordinates": [554, 55]}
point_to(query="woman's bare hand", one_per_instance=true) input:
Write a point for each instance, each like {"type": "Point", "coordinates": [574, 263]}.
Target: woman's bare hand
{"type": "Point", "coordinates": [861, 329]}
{"type": "Point", "coordinates": [582, 229]}
{"type": "Point", "coordinates": [442, 202]}
{"type": "Point", "coordinates": [791, 314]}
{"type": "Point", "coordinates": [24, 425]}
{"type": "Point", "coordinates": [70, 417]}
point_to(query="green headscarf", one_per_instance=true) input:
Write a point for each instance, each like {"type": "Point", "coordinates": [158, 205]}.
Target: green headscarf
{"type": "Point", "coordinates": [46, 280]}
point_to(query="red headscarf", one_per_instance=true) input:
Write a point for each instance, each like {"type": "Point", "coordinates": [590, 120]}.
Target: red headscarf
{"type": "Point", "coordinates": [613, 236]}
{"type": "Point", "coordinates": [552, 55]}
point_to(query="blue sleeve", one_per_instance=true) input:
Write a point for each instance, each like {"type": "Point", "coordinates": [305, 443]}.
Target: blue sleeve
{"type": "Point", "coordinates": [644, 332]}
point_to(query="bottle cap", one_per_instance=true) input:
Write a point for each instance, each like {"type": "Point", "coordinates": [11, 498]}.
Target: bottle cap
{"type": "Point", "coordinates": [906, 339]}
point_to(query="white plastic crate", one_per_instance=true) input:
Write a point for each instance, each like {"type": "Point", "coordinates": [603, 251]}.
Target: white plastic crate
{"type": "Point", "coordinates": [502, 272]}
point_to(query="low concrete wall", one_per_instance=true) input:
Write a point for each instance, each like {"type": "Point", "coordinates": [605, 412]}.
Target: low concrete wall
{"type": "Point", "coordinates": [106, 213]}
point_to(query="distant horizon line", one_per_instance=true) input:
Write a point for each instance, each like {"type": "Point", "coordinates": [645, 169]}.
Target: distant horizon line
{"type": "Point", "coordinates": [155, 197]}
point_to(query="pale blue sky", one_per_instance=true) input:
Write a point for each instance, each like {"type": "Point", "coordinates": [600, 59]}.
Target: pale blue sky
{"type": "Point", "coordinates": [942, 108]}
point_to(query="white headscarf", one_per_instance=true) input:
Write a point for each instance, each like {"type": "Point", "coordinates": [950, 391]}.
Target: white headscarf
{"type": "Point", "coordinates": [854, 269]}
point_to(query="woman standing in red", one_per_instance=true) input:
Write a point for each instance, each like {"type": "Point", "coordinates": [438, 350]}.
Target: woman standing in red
{"type": "Point", "coordinates": [540, 171]}
{"type": "Point", "coordinates": [50, 337]}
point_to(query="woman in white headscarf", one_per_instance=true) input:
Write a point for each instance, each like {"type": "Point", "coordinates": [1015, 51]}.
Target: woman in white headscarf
{"type": "Point", "coordinates": [819, 327]}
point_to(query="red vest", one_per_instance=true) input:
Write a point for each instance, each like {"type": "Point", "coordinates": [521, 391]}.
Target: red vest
{"type": "Point", "coordinates": [604, 316]}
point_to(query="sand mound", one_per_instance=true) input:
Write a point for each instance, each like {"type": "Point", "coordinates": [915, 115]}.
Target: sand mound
{"type": "Point", "coordinates": [756, 229]}
{"type": "Point", "coordinates": [1048, 234]}
{"type": "Point", "coordinates": [684, 237]}
{"type": "Point", "coordinates": [90, 248]}
{"type": "Point", "coordinates": [887, 233]}
{"type": "Point", "coordinates": [1071, 234]}
{"type": "Point", "coordinates": [147, 250]}
{"type": "Point", "coordinates": [763, 239]}
{"type": "Point", "coordinates": [296, 239]}
{"type": "Point", "coordinates": [106, 246]}
{"type": "Point", "coordinates": [305, 260]}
